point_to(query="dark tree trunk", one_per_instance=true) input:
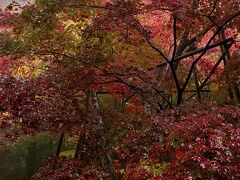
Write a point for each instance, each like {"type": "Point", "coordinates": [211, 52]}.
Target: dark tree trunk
{"type": "Point", "coordinates": [197, 84]}
{"type": "Point", "coordinates": [60, 144]}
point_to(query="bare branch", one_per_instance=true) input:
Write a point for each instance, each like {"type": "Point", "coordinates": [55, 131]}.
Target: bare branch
{"type": "Point", "coordinates": [198, 51]}
{"type": "Point", "coordinates": [206, 48]}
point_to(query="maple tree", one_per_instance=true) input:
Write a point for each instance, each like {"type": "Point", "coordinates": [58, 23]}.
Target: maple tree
{"type": "Point", "coordinates": [57, 58]}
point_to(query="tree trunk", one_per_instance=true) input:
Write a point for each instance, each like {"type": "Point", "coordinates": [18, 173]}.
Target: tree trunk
{"type": "Point", "coordinates": [197, 84]}
{"type": "Point", "coordinates": [179, 98]}
{"type": "Point", "coordinates": [227, 58]}
{"type": "Point", "coordinates": [60, 144]}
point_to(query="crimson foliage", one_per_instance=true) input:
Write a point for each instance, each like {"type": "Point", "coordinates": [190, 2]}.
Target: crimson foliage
{"type": "Point", "coordinates": [63, 167]}
{"type": "Point", "coordinates": [193, 141]}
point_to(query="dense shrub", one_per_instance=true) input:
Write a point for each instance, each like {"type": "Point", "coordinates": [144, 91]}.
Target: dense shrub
{"type": "Point", "coordinates": [192, 141]}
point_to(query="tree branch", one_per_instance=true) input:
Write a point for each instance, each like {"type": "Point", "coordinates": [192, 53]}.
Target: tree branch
{"type": "Point", "coordinates": [206, 48]}
{"type": "Point", "coordinates": [198, 51]}
{"type": "Point", "coordinates": [171, 63]}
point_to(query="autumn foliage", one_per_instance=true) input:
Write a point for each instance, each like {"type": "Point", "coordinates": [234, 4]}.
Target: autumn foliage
{"type": "Point", "coordinates": [148, 89]}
